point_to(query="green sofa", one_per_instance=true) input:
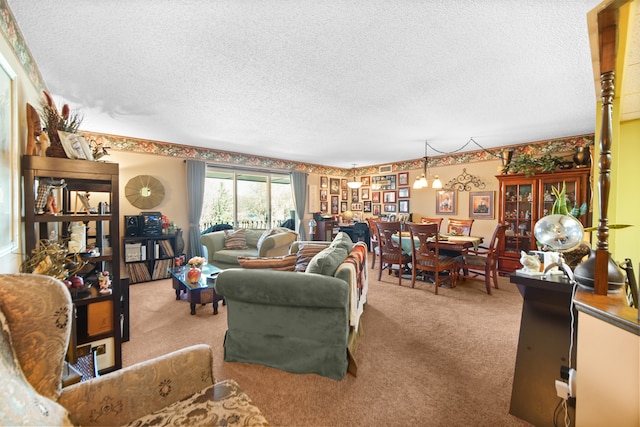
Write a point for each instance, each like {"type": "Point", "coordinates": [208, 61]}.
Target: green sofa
{"type": "Point", "coordinates": [300, 322]}
{"type": "Point", "coordinates": [272, 245]}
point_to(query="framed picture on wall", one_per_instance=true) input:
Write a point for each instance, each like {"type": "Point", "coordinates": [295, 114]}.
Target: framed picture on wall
{"type": "Point", "coordinates": [446, 202]}
{"type": "Point", "coordinates": [389, 197]}
{"type": "Point", "coordinates": [481, 204]}
{"type": "Point", "coordinates": [354, 195]}
{"type": "Point", "coordinates": [343, 184]}
{"type": "Point", "coordinates": [356, 206]}
{"type": "Point", "coordinates": [377, 209]}
{"type": "Point", "coordinates": [334, 205]}
{"type": "Point", "coordinates": [403, 178]}
{"type": "Point", "coordinates": [324, 207]}
{"type": "Point", "coordinates": [344, 206]}
{"type": "Point", "coordinates": [375, 197]}
{"type": "Point", "coordinates": [324, 182]}
{"type": "Point", "coordinates": [323, 195]}
{"type": "Point", "coordinates": [390, 208]}
{"type": "Point", "coordinates": [366, 206]}
{"type": "Point", "coordinates": [403, 206]}
{"type": "Point", "coordinates": [334, 186]}
{"type": "Point", "coordinates": [344, 194]}
{"type": "Point", "coordinates": [403, 193]}
{"type": "Point", "coordinates": [364, 194]}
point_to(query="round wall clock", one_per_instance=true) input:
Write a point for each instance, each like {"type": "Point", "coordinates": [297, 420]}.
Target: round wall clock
{"type": "Point", "coordinates": [144, 191]}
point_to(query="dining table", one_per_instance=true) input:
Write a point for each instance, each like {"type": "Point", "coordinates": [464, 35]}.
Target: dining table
{"type": "Point", "coordinates": [448, 242]}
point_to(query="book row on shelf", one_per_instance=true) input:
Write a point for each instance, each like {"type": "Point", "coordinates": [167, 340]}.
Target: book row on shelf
{"type": "Point", "coordinates": [139, 271]}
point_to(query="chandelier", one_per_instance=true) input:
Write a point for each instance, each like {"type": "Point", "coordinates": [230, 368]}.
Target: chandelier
{"type": "Point", "coordinates": [355, 183]}
{"type": "Point", "coordinates": [421, 181]}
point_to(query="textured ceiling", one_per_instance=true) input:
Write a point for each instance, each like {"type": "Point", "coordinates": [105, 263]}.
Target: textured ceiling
{"type": "Point", "coordinates": [330, 82]}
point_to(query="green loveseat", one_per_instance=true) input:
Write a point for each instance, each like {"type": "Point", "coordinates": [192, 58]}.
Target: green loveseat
{"type": "Point", "coordinates": [274, 242]}
{"type": "Point", "coordinates": [300, 322]}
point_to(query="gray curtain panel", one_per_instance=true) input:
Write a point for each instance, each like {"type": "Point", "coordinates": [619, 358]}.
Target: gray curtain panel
{"type": "Point", "coordinates": [299, 185]}
{"type": "Point", "coordinates": [196, 171]}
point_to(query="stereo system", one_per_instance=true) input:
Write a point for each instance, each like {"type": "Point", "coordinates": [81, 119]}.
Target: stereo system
{"type": "Point", "coordinates": [147, 224]}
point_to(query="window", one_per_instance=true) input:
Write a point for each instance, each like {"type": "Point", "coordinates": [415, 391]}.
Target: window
{"type": "Point", "coordinates": [246, 199]}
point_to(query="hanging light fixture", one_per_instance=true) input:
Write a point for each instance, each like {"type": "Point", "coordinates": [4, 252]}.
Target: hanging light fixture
{"type": "Point", "coordinates": [421, 181]}
{"type": "Point", "coordinates": [355, 183]}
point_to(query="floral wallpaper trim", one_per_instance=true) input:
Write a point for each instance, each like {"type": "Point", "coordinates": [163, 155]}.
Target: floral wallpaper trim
{"type": "Point", "coordinates": [136, 145]}
{"type": "Point", "coordinates": [11, 31]}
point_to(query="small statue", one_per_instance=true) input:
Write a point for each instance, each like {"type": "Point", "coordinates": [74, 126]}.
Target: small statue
{"type": "Point", "coordinates": [531, 263]}
{"type": "Point", "coordinates": [52, 207]}
{"type": "Point", "coordinates": [42, 144]}
{"type": "Point", "coordinates": [34, 130]}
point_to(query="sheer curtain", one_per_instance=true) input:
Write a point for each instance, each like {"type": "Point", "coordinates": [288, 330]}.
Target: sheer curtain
{"type": "Point", "coordinates": [299, 185]}
{"type": "Point", "coordinates": [196, 171]}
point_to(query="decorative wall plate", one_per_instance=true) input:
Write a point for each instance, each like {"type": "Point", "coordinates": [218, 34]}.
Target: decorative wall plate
{"type": "Point", "coordinates": [144, 191]}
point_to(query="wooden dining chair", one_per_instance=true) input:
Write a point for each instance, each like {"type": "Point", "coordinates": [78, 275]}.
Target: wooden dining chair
{"type": "Point", "coordinates": [425, 220]}
{"type": "Point", "coordinates": [483, 261]}
{"type": "Point", "coordinates": [459, 227]}
{"type": "Point", "coordinates": [374, 239]}
{"type": "Point", "coordinates": [391, 252]}
{"type": "Point", "coordinates": [426, 257]}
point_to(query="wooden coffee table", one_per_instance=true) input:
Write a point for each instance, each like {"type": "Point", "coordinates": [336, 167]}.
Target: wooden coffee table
{"type": "Point", "coordinates": [201, 292]}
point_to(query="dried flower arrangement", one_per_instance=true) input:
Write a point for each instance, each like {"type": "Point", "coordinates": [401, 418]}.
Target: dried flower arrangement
{"type": "Point", "coordinates": [66, 121]}
{"type": "Point", "coordinates": [52, 258]}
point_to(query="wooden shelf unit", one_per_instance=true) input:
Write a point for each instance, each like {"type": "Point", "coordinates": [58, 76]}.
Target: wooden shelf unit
{"type": "Point", "coordinates": [155, 257]}
{"type": "Point", "coordinates": [99, 317]}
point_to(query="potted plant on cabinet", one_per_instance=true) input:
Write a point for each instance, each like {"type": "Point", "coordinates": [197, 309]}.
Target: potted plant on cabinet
{"type": "Point", "coordinates": [529, 165]}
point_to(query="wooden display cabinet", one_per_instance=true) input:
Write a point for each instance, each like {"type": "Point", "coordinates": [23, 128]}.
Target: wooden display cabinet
{"type": "Point", "coordinates": [325, 230]}
{"type": "Point", "coordinates": [523, 201]}
{"type": "Point", "coordinates": [99, 316]}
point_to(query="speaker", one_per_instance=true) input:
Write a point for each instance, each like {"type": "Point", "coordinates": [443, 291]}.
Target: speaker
{"type": "Point", "coordinates": [132, 224]}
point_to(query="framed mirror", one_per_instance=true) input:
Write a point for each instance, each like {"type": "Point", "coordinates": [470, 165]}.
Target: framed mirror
{"type": "Point", "coordinates": [144, 191]}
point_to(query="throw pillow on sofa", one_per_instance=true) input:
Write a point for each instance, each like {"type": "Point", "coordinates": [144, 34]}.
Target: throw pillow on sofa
{"type": "Point", "coordinates": [327, 261]}
{"type": "Point", "coordinates": [271, 232]}
{"type": "Point", "coordinates": [342, 240]}
{"type": "Point", "coordinates": [280, 263]}
{"type": "Point", "coordinates": [305, 254]}
{"type": "Point", "coordinates": [235, 239]}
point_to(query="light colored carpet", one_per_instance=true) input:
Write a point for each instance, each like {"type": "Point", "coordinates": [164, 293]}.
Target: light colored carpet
{"type": "Point", "coordinates": [427, 360]}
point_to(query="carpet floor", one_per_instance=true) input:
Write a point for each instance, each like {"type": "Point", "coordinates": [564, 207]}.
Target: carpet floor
{"type": "Point", "coordinates": [423, 359]}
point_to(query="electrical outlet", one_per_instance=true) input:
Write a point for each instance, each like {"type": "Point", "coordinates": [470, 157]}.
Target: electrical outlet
{"type": "Point", "coordinates": [101, 349]}
{"type": "Point", "coordinates": [562, 389]}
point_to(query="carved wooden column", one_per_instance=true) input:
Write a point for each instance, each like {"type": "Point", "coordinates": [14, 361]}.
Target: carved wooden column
{"type": "Point", "coordinates": [601, 278]}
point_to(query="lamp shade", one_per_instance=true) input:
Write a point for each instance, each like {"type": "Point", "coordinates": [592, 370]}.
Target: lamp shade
{"type": "Point", "coordinates": [354, 184]}
{"type": "Point", "coordinates": [420, 183]}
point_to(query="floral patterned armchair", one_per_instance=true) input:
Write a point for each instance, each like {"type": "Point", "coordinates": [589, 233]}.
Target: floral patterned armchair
{"type": "Point", "coordinates": [177, 388]}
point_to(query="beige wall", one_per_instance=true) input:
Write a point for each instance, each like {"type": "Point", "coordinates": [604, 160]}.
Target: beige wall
{"type": "Point", "coordinates": [26, 93]}
{"type": "Point", "coordinates": [423, 202]}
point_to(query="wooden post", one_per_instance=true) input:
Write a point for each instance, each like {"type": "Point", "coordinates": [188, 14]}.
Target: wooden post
{"type": "Point", "coordinates": [607, 22]}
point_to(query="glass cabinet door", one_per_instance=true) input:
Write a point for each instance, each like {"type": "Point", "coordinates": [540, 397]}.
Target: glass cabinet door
{"type": "Point", "coordinates": [518, 216]}
{"type": "Point", "coordinates": [548, 198]}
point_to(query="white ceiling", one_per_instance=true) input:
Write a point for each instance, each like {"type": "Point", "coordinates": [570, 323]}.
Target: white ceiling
{"type": "Point", "coordinates": [328, 82]}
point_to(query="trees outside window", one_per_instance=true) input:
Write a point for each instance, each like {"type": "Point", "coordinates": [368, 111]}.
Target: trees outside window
{"type": "Point", "coordinates": [246, 199]}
